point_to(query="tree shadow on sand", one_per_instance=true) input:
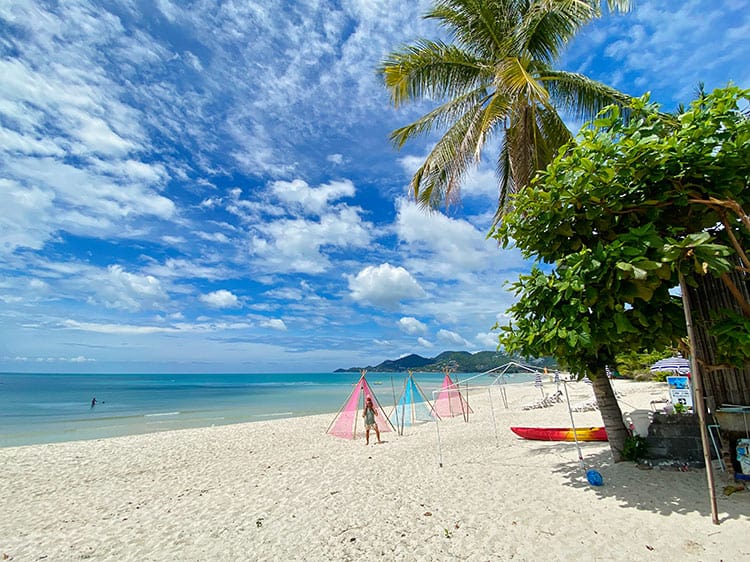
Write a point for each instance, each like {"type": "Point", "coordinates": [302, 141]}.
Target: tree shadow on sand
{"type": "Point", "coordinates": [664, 490]}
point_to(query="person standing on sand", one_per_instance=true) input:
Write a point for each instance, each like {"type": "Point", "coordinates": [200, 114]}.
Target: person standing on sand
{"type": "Point", "coordinates": [369, 415]}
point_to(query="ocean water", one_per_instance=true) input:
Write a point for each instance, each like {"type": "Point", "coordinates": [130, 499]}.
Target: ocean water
{"type": "Point", "coordinates": [48, 408]}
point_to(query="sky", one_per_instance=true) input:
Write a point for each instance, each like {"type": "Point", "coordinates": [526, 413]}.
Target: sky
{"type": "Point", "coordinates": [209, 186]}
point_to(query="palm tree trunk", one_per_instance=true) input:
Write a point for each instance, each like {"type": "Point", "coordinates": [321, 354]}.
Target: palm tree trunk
{"type": "Point", "coordinates": [617, 433]}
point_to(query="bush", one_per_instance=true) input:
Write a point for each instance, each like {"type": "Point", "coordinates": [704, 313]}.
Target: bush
{"type": "Point", "coordinates": [635, 448]}
{"type": "Point", "coordinates": [661, 376]}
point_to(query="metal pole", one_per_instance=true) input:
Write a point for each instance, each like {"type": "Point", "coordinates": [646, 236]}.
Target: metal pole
{"type": "Point", "coordinates": [395, 406]}
{"type": "Point", "coordinates": [440, 449]}
{"type": "Point", "coordinates": [716, 446]}
{"type": "Point", "coordinates": [700, 405]}
{"type": "Point", "coordinates": [492, 409]}
{"type": "Point", "coordinates": [466, 385]}
{"type": "Point", "coordinates": [573, 423]}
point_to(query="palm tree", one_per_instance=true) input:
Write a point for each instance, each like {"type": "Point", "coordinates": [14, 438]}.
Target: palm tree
{"type": "Point", "coordinates": [496, 77]}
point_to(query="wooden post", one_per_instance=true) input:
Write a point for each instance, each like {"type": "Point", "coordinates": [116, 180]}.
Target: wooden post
{"type": "Point", "coordinates": [700, 405]}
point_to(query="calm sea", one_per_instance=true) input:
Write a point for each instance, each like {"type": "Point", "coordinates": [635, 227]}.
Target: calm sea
{"type": "Point", "coordinates": [47, 408]}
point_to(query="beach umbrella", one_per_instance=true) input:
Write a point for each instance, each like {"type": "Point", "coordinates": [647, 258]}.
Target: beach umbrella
{"type": "Point", "coordinates": [678, 365]}
{"type": "Point", "coordinates": [538, 382]}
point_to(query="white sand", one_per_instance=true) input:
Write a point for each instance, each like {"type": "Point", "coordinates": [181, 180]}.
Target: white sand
{"type": "Point", "coordinates": [283, 490]}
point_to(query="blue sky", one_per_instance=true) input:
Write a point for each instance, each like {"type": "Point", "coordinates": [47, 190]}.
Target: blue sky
{"type": "Point", "coordinates": [209, 186]}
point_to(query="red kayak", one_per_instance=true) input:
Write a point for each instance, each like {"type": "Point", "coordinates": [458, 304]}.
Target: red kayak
{"type": "Point", "coordinates": [561, 433]}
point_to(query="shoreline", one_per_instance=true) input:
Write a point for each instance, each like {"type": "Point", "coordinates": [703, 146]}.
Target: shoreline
{"type": "Point", "coordinates": [153, 403]}
{"type": "Point", "coordinates": [48, 409]}
{"type": "Point", "coordinates": [283, 489]}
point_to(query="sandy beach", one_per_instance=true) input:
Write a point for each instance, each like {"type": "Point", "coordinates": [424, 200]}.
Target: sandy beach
{"type": "Point", "coordinates": [284, 490]}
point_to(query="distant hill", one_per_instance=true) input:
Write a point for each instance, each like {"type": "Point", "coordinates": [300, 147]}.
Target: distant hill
{"type": "Point", "coordinates": [459, 361]}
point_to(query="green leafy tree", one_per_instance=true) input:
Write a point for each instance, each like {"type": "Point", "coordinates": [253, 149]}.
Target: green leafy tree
{"type": "Point", "coordinates": [496, 77]}
{"type": "Point", "coordinates": [637, 364]}
{"type": "Point", "coordinates": [615, 220]}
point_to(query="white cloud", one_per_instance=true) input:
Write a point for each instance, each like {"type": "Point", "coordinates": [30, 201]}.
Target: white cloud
{"type": "Point", "coordinates": [311, 200]}
{"type": "Point", "coordinates": [20, 222]}
{"type": "Point", "coordinates": [384, 286]}
{"type": "Point", "coordinates": [451, 338]}
{"type": "Point", "coordinates": [100, 138]}
{"type": "Point", "coordinates": [480, 181]}
{"type": "Point", "coordinates": [221, 299]}
{"type": "Point", "coordinates": [487, 340]}
{"type": "Point", "coordinates": [219, 237]}
{"type": "Point", "coordinates": [116, 328]}
{"type": "Point", "coordinates": [302, 245]}
{"type": "Point", "coordinates": [425, 343]}
{"type": "Point", "coordinates": [275, 324]}
{"type": "Point", "coordinates": [449, 248]}
{"type": "Point", "coordinates": [411, 325]}
{"type": "Point", "coordinates": [118, 288]}
{"type": "Point", "coordinates": [77, 359]}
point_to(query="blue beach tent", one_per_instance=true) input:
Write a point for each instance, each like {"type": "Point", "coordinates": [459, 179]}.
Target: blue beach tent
{"type": "Point", "coordinates": [413, 406]}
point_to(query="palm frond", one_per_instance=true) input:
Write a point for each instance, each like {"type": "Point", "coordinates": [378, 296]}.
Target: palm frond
{"type": "Point", "coordinates": [547, 26]}
{"type": "Point", "coordinates": [579, 94]}
{"type": "Point", "coordinates": [495, 75]}
{"type": "Point", "coordinates": [514, 78]}
{"type": "Point", "coordinates": [507, 185]}
{"type": "Point", "coordinates": [553, 134]}
{"type": "Point", "coordinates": [442, 116]}
{"type": "Point", "coordinates": [535, 134]}
{"type": "Point", "coordinates": [622, 6]}
{"type": "Point", "coordinates": [438, 179]}
{"type": "Point", "coordinates": [496, 112]}
{"type": "Point", "coordinates": [482, 26]}
{"type": "Point", "coordinates": [431, 69]}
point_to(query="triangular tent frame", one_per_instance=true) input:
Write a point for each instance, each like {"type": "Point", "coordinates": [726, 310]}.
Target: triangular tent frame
{"type": "Point", "coordinates": [412, 407]}
{"type": "Point", "coordinates": [450, 402]}
{"type": "Point", "coordinates": [347, 419]}
{"type": "Point", "coordinates": [499, 372]}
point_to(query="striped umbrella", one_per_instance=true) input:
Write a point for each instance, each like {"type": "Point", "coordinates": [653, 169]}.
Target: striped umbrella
{"type": "Point", "coordinates": [678, 365]}
{"type": "Point", "coordinates": [538, 382]}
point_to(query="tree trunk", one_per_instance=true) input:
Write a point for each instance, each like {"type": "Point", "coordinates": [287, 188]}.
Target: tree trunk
{"type": "Point", "coordinates": [617, 433]}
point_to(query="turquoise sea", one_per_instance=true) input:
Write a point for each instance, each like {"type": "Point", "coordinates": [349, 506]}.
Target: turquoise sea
{"type": "Point", "coordinates": [47, 408]}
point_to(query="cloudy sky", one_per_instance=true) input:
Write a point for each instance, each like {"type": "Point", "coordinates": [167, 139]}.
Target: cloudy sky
{"type": "Point", "coordinates": [209, 187]}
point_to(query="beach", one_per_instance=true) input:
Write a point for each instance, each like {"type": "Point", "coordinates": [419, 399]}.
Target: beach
{"type": "Point", "coordinates": [284, 490]}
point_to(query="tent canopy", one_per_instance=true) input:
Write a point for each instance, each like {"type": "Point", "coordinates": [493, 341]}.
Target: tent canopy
{"type": "Point", "coordinates": [346, 421]}
{"type": "Point", "coordinates": [450, 402]}
{"type": "Point", "coordinates": [413, 406]}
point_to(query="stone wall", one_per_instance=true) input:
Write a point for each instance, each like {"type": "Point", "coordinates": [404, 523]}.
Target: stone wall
{"type": "Point", "coordinates": [675, 438]}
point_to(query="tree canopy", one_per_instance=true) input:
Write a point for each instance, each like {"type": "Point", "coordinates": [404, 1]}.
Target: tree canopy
{"type": "Point", "coordinates": [616, 216]}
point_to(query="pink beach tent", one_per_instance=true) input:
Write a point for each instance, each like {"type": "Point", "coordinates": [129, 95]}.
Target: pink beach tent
{"type": "Point", "coordinates": [450, 402]}
{"type": "Point", "coordinates": [350, 415]}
